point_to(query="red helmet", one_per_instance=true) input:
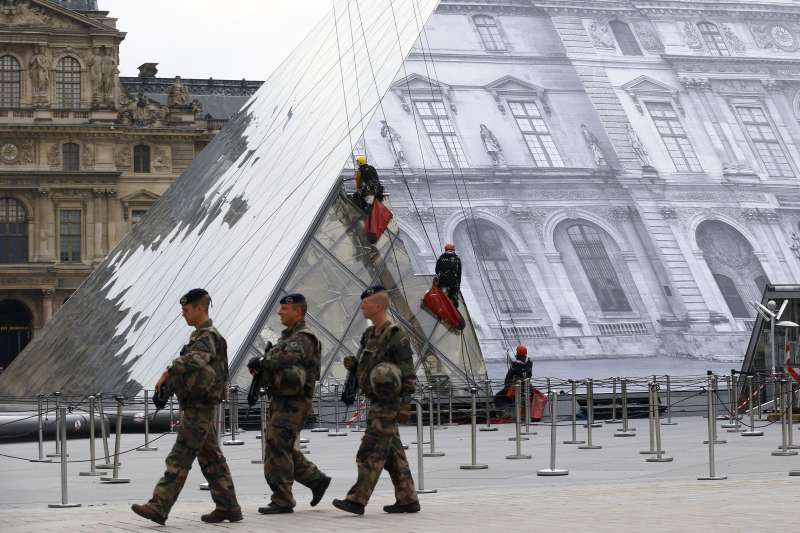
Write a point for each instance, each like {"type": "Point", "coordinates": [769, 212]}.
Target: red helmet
{"type": "Point", "coordinates": [522, 350]}
{"type": "Point", "coordinates": [449, 247]}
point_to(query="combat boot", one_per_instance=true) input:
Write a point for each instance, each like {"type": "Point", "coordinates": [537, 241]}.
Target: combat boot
{"type": "Point", "coordinates": [412, 507]}
{"type": "Point", "coordinates": [275, 509]}
{"type": "Point", "coordinates": [318, 489]}
{"type": "Point", "coordinates": [147, 511]}
{"type": "Point", "coordinates": [350, 507]}
{"type": "Point", "coordinates": [218, 515]}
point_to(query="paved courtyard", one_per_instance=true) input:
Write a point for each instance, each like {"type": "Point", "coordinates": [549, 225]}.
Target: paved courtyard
{"type": "Point", "coordinates": [611, 489]}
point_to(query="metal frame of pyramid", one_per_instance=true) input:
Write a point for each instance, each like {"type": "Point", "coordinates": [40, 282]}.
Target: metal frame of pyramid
{"type": "Point", "coordinates": [258, 212]}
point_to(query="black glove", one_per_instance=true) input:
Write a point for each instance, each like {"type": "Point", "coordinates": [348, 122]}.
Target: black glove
{"type": "Point", "coordinates": [254, 364]}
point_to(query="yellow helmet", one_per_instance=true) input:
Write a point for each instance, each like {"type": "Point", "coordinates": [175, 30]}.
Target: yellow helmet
{"type": "Point", "coordinates": [361, 160]}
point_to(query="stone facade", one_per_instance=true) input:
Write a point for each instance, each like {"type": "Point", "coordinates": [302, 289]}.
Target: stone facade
{"type": "Point", "coordinates": [620, 177]}
{"type": "Point", "coordinates": [83, 152]}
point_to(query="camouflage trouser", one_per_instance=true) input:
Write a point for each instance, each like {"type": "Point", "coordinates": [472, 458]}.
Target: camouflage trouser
{"type": "Point", "coordinates": [284, 463]}
{"type": "Point", "coordinates": [197, 438]}
{"type": "Point", "coordinates": [381, 449]}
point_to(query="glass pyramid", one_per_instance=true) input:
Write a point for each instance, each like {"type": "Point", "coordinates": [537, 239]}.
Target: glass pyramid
{"type": "Point", "coordinates": [258, 213]}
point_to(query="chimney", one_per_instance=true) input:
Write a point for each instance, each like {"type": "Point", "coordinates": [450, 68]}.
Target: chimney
{"type": "Point", "coordinates": [148, 70]}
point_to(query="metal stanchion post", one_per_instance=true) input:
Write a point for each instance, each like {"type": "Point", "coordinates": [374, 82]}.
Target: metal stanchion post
{"type": "Point", "coordinates": [714, 398]}
{"type": "Point", "coordinates": [336, 432]}
{"type": "Point", "coordinates": [783, 449]}
{"type": "Point", "coordinates": [669, 421]}
{"type": "Point", "coordinates": [790, 415]}
{"type": "Point", "coordinates": [518, 437]}
{"type": "Point", "coordinates": [234, 418]}
{"type": "Point", "coordinates": [263, 432]}
{"type": "Point", "coordinates": [57, 452]}
{"type": "Point", "coordinates": [758, 404]}
{"type": "Point", "coordinates": [613, 419]}
{"type": "Point", "coordinates": [359, 414]}
{"type": "Point", "coordinates": [117, 442]}
{"type": "Point", "coordinates": [660, 457]}
{"type": "Point", "coordinates": [42, 458]}
{"type": "Point", "coordinates": [319, 428]}
{"type": "Point", "coordinates": [737, 422]}
{"type": "Point", "coordinates": [450, 405]}
{"type": "Point", "coordinates": [651, 415]}
{"type": "Point", "coordinates": [553, 471]}
{"type": "Point", "coordinates": [420, 453]}
{"type": "Point", "coordinates": [589, 417]}
{"type": "Point", "coordinates": [432, 429]}
{"type": "Point", "coordinates": [731, 423]}
{"type": "Point", "coordinates": [473, 433]}
{"type": "Point", "coordinates": [518, 409]}
{"type": "Point", "coordinates": [574, 408]}
{"type": "Point", "coordinates": [712, 468]}
{"type": "Point", "coordinates": [146, 447]}
{"type": "Point", "coordinates": [92, 460]}
{"type": "Point", "coordinates": [488, 426]}
{"type": "Point", "coordinates": [439, 407]}
{"type": "Point", "coordinates": [103, 433]}
{"type": "Point", "coordinates": [752, 432]}
{"type": "Point", "coordinates": [62, 436]}
{"type": "Point", "coordinates": [527, 400]}
{"type": "Point", "coordinates": [625, 430]}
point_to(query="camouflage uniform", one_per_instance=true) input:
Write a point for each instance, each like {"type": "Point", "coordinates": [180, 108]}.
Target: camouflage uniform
{"type": "Point", "coordinates": [386, 376]}
{"type": "Point", "coordinates": [199, 376]}
{"type": "Point", "coordinates": [291, 369]}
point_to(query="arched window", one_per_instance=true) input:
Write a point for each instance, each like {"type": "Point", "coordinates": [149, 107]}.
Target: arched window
{"type": "Point", "coordinates": [16, 329]}
{"type": "Point", "coordinates": [13, 231]}
{"type": "Point", "coordinates": [713, 38]}
{"type": "Point", "coordinates": [68, 83]}
{"type": "Point", "coordinates": [71, 155]}
{"type": "Point", "coordinates": [733, 264]}
{"type": "Point", "coordinates": [503, 281]}
{"type": "Point", "coordinates": [141, 158]}
{"type": "Point", "coordinates": [588, 245]}
{"type": "Point", "coordinates": [9, 82]}
{"type": "Point", "coordinates": [625, 38]}
{"type": "Point", "coordinates": [490, 34]}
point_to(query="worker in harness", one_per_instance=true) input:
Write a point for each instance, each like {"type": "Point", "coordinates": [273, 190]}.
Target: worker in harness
{"type": "Point", "coordinates": [448, 272]}
{"type": "Point", "coordinates": [368, 184]}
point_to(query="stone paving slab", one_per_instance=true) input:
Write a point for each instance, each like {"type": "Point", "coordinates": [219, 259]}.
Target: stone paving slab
{"type": "Point", "coordinates": [612, 489]}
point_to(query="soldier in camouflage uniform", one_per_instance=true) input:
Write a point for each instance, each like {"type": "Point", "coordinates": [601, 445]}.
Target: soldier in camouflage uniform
{"type": "Point", "coordinates": [288, 372]}
{"type": "Point", "coordinates": [199, 379]}
{"type": "Point", "coordinates": [385, 372]}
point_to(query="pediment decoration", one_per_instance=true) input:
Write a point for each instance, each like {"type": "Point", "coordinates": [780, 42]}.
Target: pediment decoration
{"type": "Point", "coordinates": [36, 13]}
{"type": "Point", "coordinates": [141, 199]}
{"type": "Point", "coordinates": [645, 87]}
{"type": "Point", "coordinates": [416, 86]}
{"type": "Point", "coordinates": [511, 88]}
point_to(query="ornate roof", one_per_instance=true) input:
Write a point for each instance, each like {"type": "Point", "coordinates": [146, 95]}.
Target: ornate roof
{"type": "Point", "coordinates": [78, 5]}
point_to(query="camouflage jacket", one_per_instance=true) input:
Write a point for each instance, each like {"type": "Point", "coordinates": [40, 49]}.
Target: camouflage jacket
{"type": "Point", "coordinates": [292, 366]}
{"type": "Point", "coordinates": [387, 344]}
{"type": "Point", "coordinates": [200, 374]}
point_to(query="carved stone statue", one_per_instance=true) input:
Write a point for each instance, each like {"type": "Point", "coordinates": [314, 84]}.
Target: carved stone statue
{"type": "Point", "coordinates": [40, 75]}
{"type": "Point", "coordinates": [601, 34]}
{"type": "Point", "coordinates": [394, 141]}
{"type": "Point", "coordinates": [103, 72]}
{"type": "Point", "coordinates": [594, 146]}
{"type": "Point", "coordinates": [492, 146]}
{"type": "Point", "coordinates": [140, 109]}
{"type": "Point", "coordinates": [178, 96]}
{"type": "Point", "coordinates": [638, 147]}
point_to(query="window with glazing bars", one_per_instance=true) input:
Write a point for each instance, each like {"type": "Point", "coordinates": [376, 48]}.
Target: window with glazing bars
{"type": "Point", "coordinates": [732, 296]}
{"type": "Point", "coordinates": [597, 266]}
{"type": "Point", "coordinates": [141, 158]}
{"type": "Point", "coordinates": [490, 34]}
{"type": "Point", "coordinates": [69, 235]}
{"type": "Point", "coordinates": [13, 231]}
{"type": "Point", "coordinates": [9, 82]}
{"type": "Point", "coordinates": [503, 281]}
{"type": "Point", "coordinates": [68, 83]}
{"type": "Point", "coordinates": [70, 152]}
{"type": "Point", "coordinates": [713, 38]}
{"type": "Point", "coordinates": [765, 141]}
{"type": "Point", "coordinates": [627, 42]}
{"type": "Point", "coordinates": [441, 133]}
{"type": "Point", "coordinates": [536, 134]}
{"type": "Point", "coordinates": [674, 136]}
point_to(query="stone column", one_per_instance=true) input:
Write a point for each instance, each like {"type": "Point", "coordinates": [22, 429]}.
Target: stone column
{"type": "Point", "coordinates": [573, 305]}
{"type": "Point", "coordinates": [47, 305]}
{"type": "Point", "coordinates": [43, 233]}
{"type": "Point", "coordinates": [699, 88]}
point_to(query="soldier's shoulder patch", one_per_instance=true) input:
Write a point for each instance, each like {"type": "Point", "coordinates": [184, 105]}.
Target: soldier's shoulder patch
{"type": "Point", "coordinates": [203, 344]}
{"type": "Point", "coordinates": [294, 346]}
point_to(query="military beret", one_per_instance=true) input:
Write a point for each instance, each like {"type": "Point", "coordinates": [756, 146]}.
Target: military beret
{"type": "Point", "coordinates": [293, 299]}
{"type": "Point", "coordinates": [192, 296]}
{"type": "Point", "coordinates": [372, 290]}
